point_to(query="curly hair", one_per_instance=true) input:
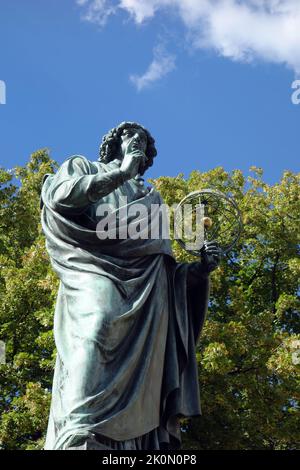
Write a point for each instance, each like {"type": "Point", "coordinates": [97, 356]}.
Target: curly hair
{"type": "Point", "coordinates": [110, 147]}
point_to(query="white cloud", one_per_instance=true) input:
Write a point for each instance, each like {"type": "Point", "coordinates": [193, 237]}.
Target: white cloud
{"type": "Point", "coordinates": [241, 30]}
{"type": "Point", "coordinates": [162, 64]}
{"type": "Point", "coordinates": [97, 11]}
{"type": "Point", "coordinates": [142, 10]}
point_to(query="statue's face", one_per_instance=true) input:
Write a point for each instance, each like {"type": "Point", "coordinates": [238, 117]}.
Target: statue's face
{"type": "Point", "coordinates": [139, 138]}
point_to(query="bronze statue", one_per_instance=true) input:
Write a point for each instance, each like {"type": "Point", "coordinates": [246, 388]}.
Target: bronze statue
{"type": "Point", "coordinates": [127, 316]}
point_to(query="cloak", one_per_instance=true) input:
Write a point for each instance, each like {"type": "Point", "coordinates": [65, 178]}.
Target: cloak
{"type": "Point", "coordinates": [126, 320]}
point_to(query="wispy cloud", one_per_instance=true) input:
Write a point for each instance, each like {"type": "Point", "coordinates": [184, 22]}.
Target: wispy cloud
{"type": "Point", "coordinates": [162, 64]}
{"type": "Point", "coordinates": [97, 11]}
{"type": "Point", "coordinates": [241, 30]}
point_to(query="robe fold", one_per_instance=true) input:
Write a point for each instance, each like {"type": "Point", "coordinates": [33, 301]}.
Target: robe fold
{"type": "Point", "coordinates": [126, 320]}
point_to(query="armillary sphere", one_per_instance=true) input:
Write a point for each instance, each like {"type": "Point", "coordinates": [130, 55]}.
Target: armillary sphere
{"type": "Point", "coordinates": [219, 215]}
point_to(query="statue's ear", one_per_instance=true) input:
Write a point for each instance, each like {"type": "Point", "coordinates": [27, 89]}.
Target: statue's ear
{"type": "Point", "coordinates": [43, 181]}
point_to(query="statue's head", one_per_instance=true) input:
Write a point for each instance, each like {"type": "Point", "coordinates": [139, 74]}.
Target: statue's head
{"type": "Point", "coordinates": [111, 146]}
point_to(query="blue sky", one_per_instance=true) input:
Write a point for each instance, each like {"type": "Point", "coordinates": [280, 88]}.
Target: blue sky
{"type": "Point", "coordinates": [212, 92]}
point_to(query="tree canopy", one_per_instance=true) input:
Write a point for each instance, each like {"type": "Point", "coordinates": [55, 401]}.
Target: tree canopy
{"type": "Point", "coordinates": [249, 351]}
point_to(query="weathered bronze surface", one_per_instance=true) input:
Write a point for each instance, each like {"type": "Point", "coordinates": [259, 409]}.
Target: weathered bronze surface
{"type": "Point", "coordinates": [127, 314]}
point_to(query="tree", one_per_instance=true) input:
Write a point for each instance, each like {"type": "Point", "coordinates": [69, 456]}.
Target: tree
{"type": "Point", "coordinates": [249, 376]}
{"type": "Point", "coordinates": [27, 296]}
{"type": "Point", "coordinates": [247, 355]}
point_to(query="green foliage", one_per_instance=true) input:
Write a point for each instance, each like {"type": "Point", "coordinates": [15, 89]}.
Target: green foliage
{"type": "Point", "coordinates": [247, 355]}
{"type": "Point", "coordinates": [248, 367]}
{"type": "Point", "coordinates": [27, 295]}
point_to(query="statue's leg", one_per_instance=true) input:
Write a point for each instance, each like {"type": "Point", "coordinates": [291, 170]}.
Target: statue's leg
{"type": "Point", "coordinates": [79, 370]}
{"type": "Point", "coordinates": [82, 379]}
{"type": "Point", "coordinates": [87, 313]}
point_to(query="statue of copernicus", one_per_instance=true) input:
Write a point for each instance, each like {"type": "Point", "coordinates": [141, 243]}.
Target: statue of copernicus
{"type": "Point", "coordinates": [127, 315]}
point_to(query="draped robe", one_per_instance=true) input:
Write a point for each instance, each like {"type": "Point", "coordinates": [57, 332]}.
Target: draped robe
{"type": "Point", "coordinates": [126, 319]}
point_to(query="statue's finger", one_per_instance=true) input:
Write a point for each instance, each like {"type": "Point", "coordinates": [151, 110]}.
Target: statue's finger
{"type": "Point", "coordinates": [212, 251]}
{"type": "Point", "coordinates": [211, 248]}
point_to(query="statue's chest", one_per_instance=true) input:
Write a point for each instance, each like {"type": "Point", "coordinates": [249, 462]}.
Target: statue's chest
{"type": "Point", "coordinates": [130, 191]}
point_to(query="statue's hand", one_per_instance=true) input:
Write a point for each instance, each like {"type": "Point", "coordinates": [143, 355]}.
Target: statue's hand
{"type": "Point", "coordinates": [210, 255]}
{"type": "Point", "coordinates": [133, 160]}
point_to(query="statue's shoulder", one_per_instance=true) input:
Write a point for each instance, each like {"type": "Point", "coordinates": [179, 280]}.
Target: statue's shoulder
{"type": "Point", "coordinates": [79, 163]}
{"type": "Point", "coordinates": [75, 165]}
